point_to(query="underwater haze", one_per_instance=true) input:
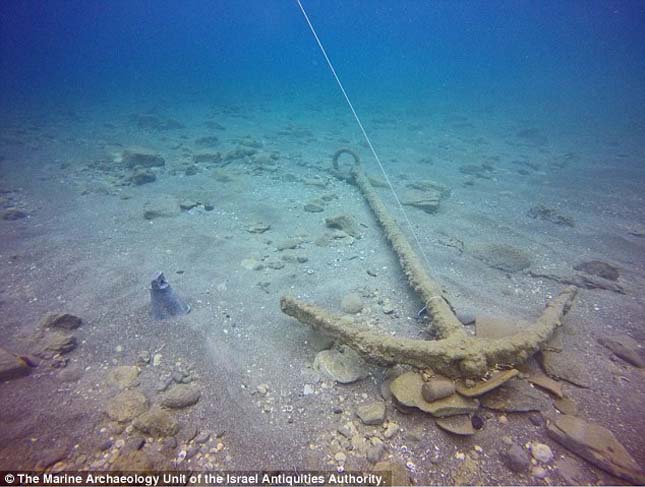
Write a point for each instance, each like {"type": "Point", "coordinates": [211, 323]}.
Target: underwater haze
{"type": "Point", "coordinates": [186, 253]}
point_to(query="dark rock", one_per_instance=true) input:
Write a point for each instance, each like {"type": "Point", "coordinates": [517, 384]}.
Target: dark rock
{"type": "Point", "coordinates": [345, 223]}
{"type": "Point", "coordinates": [541, 212]}
{"type": "Point", "coordinates": [143, 176]}
{"type": "Point", "coordinates": [65, 321]}
{"type": "Point", "coordinates": [372, 413]}
{"type": "Point", "coordinates": [180, 396]}
{"type": "Point", "coordinates": [13, 214]}
{"type": "Point", "coordinates": [437, 388]}
{"type": "Point", "coordinates": [503, 257]}
{"type": "Point", "coordinates": [156, 422]}
{"type": "Point", "coordinates": [626, 348]}
{"type": "Point", "coordinates": [598, 268]}
{"type": "Point", "coordinates": [142, 157]}
{"type": "Point", "coordinates": [12, 366]}
{"type": "Point", "coordinates": [208, 158]}
{"type": "Point", "coordinates": [208, 141]}
{"type": "Point", "coordinates": [516, 396]}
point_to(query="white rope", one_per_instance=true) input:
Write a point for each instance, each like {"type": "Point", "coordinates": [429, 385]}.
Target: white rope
{"type": "Point", "coordinates": [369, 142]}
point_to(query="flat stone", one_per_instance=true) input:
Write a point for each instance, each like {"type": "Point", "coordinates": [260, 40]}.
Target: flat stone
{"type": "Point", "coordinates": [598, 268]}
{"type": "Point", "coordinates": [458, 425]}
{"type": "Point", "coordinates": [429, 201]}
{"type": "Point", "coordinates": [12, 366]}
{"type": "Point", "coordinates": [372, 413]}
{"type": "Point", "coordinates": [406, 389]}
{"type": "Point", "coordinates": [64, 321]}
{"type": "Point", "coordinates": [344, 223]}
{"type": "Point", "coordinates": [566, 366]}
{"type": "Point", "coordinates": [437, 388]}
{"type": "Point", "coordinates": [258, 227]}
{"type": "Point", "coordinates": [481, 388]}
{"type": "Point", "coordinates": [541, 452]}
{"type": "Point", "coordinates": [624, 347]}
{"type": "Point", "coordinates": [545, 382]}
{"type": "Point", "coordinates": [180, 396]}
{"type": "Point", "coordinates": [56, 342]}
{"type": "Point", "coordinates": [156, 422]}
{"type": "Point", "coordinates": [126, 406]}
{"type": "Point", "coordinates": [566, 406]}
{"type": "Point", "coordinates": [341, 364]}
{"type": "Point", "coordinates": [597, 445]}
{"type": "Point", "coordinates": [314, 208]}
{"type": "Point", "coordinates": [516, 396]}
{"type": "Point", "coordinates": [351, 304]}
{"type": "Point", "coordinates": [124, 376]}
{"type": "Point", "coordinates": [161, 207]}
{"type": "Point", "coordinates": [503, 257]}
{"type": "Point", "coordinates": [142, 176]}
{"type": "Point", "coordinates": [399, 472]}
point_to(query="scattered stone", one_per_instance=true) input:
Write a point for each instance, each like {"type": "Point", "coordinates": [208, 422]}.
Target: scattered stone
{"type": "Point", "coordinates": [258, 227]}
{"type": "Point", "coordinates": [481, 388]}
{"type": "Point", "coordinates": [156, 422]}
{"type": "Point", "coordinates": [142, 176]}
{"type": "Point", "coordinates": [598, 268]}
{"type": "Point", "coordinates": [12, 214]}
{"type": "Point", "coordinates": [12, 366]}
{"type": "Point", "coordinates": [387, 307]}
{"type": "Point", "coordinates": [597, 445]}
{"type": "Point", "coordinates": [541, 212]}
{"type": "Point", "coordinates": [566, 366]}
{"type": "Point", "coordinates": [437, 388]}
{"type": "Point", "coordinates": [187, 204]}
{"type": "Point", "coordinates": [344, 223]}
{"type": "Point", "coordinates": [263, 389]}
{"type": "Point", "coordinates": [351, 304]}
{"type": "Point", "coordinates": [124, 376]}
{"type": "Point", "coordinates": [156, 360]}
{"type": "Point", "coordinates": [566, 406]}
{"type": "Point", "coordinates": [64, 321]}
{"type": "Point", "coordinates": [516, 396]}
{"type": "Point", "coordinates": [372, 413]}
{"type": "Point", "coordinates": [162, 207]}
{"type": "Point", "coordinates": [626, 348]}
{"type": "Point", "coordinates": [390, 430]}
{"type": "Point", "coordinates": [541, 452]}
{"type": "Point", "coordinates": [503, 257]}
{"type": "Point", "coordinates": [458, 425]}
{"type": "Point", "coordinates": [515, 458]}
{"type": "Point", "coordinates": [126, 406]}
{"type": "Point", "coordinates": [142, 158]}
{"type": "Point", "coordinates": [341, 364]}
{"type": "Point", "coordinates": [406, 389]}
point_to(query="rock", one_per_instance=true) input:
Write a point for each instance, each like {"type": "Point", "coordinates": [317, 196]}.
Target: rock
{"type": "Point", "coordinates": [597, 445]}
{"type": "Point", "coordinates": [156, 422]}
{"type": "Point", "coordinates": [624, 347]}
{"type": "Point", "coordinates": [12, 214]}
{"type": "Point", "coordinates": [399, 472]}
{"type": "Point", "coordinates": [495, 327]}
{"type": "Point", "coordinates": [50, 456]}
{"type": "Point", "coordinates": [314, 207]}
{"type": "Point", "coordinates": [503, 257]}
{"type": "Point", "coordinates": [252, 264]}
{"type": "Point", "coordinates": [133, 461]}
{"type": "Point", "coordinates": [64, 321]}
{"type": "Point", "coordinates": [376, 450]}
{"type": "Point", "coordinates": [437, 388]}
{"type": "Point", "coordinates": [599, 268]}
{"type": "Point", "coordinates": [429, 187]}
{"type": "Point", "coordinates": [207, 158]}
{"type": "Point", "coordinates": [180, 396]}
{"type": "Point", "coordinates": [390, 430]}
{"type": "Point", "coordinates": [344, 223]}
{"type": "Point", "coordinates": [541, 212]}
{"type": "Point", "coordinates": [70, 374]}
{"type": "Point", "coordinates": [515, 458]}
{"type": "Point", "coordinates": [341, 364]}
{"type": "Point", "coordinates": [126, 406]}
{"type": "Point", "coordinates": [262, 389]}
{"type": "Point", "coordinates": [289, 244]}
{"type": "Point", "coordinates": [458, 425]}
{"type": "Point", "coordinates": [541, 452]}
{"type": "Point", "coordinates": [141, 157]}
{"type": "Point", "coordinates": [516, 396]}
{"type": "Point", "coordinates": [12, 366]}
{"type": "Point", "coordinates": [161, 207]}
{"type": "Point", "coordinates": [481, 388]}
{"type": "Point", "coordinates": [406, 389]}
{"type": "Point", "coordinates": [566, 406]}
{"type": "Point", "coordinates": [566, 366]}
{"type": "Point", "coordinates": [188, 204]}
{"type": "Point", "coordinates": [142, 176]}
{"type": "Point", "coordinates": [372, 413]}
{"type": "Point", "coordinates": [124, 376]}
{"type": "Point", "coordinates": [149, 121]}
{"type": "Point", "coordinates": [351, 304]}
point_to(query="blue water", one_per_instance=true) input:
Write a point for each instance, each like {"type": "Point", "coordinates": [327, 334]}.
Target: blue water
{"type": "Point", "coordinates": [567, 57]}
